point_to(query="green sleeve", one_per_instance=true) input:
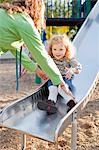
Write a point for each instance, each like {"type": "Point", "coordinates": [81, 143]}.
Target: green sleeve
{"type": "Point", "coordinates": [32, 39]}
{"type": "Point", "coordinates": [26, 61]}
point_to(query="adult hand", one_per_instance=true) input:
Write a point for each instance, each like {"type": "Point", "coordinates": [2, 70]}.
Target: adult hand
{"type": "Point", "coordinates": [65, 88]}
{"type": "Point", "coordinates": [41, 74]}
{"type": "Point", "coordinates": [24, 71]}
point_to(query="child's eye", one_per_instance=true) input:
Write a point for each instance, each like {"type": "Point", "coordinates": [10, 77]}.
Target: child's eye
{"type": "Point", "coordinates": [61, 49]}
{"type": "Point", "coordinates": [54, 49]}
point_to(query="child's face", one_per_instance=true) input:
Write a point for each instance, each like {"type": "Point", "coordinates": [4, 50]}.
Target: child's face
{"type": "Point", "coordinates": [58, 51]}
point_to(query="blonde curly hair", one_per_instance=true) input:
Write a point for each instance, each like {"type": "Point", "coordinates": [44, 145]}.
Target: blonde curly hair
{"type": "Point", "coordinates": [35, 8]}
{"type": "Point", "coordinates": [70, 49]}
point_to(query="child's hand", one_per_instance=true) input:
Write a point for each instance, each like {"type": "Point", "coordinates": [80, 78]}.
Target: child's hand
{"type": "Point", "coordinates": [69, 73]}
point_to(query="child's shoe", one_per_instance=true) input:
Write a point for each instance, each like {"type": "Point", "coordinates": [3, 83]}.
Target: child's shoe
{"type": "Point", "coordinates": [71, 104]}
{"type": "Point", "coordinates": [48, 106]}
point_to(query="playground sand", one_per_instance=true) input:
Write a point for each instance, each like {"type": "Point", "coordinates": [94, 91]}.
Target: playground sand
{"type": "Point", "coordinates": [88, 123]}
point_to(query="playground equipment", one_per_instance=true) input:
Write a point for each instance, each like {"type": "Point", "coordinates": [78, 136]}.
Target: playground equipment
{"type": "Point", "coordinates": [24, 116]}
{"type": "Point", "coordinates": [69, 13]}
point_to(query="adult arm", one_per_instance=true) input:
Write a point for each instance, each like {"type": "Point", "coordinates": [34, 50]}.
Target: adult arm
{"type": "Point", "coordinates": [26, 61]}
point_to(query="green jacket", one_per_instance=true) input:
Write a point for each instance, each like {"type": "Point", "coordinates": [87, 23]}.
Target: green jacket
{"type": "Point", "coordinates": [20, 27]}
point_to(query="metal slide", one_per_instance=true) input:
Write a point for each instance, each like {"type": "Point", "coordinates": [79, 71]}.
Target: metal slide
{"type": "Point", "coordinates": [24, 116]}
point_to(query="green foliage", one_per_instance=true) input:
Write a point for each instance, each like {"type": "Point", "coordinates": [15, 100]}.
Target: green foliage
{"type": "Point", "coordinates": [72, 32]}
{"type": "Point", "coordinates": [58, 10]}
{"type": "Point", "coordinates": [1, 1]}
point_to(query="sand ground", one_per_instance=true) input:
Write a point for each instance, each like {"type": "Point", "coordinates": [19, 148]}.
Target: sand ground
{"type": "Point", "coordinates": [88, 123]}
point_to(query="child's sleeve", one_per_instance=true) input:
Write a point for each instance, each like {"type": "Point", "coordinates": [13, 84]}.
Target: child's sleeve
{"type": "Point", "coordinates": [75, 64]}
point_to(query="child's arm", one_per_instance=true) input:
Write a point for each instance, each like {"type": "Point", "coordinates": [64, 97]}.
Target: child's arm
{"type": "Point", "coordinates": [76, 67]}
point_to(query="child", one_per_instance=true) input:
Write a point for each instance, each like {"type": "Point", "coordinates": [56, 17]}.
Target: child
{"type": "Point", "coordinates": [63, 53]}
